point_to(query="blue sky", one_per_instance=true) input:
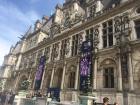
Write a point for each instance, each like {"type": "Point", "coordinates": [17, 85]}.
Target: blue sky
{"type": "Point", "coordinates": [16, 16]}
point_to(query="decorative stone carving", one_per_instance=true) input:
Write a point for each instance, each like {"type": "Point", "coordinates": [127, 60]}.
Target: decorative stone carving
{"type": "Point", "coordinates": [55, 29]}
{"type": "Point", "coordinates": [47, 53]}
{"type": "Point", "coordinates": [96, 37]}
{"type": "Point", "coordinates": [122, 29]}
{"type": "Point", "coordinates": [56, 50]}
{"type": "Point", "coordinates": [67, 49]}
{"type": "Point", "coordinates": [69, 21]}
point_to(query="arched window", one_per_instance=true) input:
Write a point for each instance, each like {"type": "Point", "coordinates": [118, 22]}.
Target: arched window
{"type": "Point", "coordinates": [23, 85]}
{"type": "Point", "coordinates": [57, 78]}
{"type": "Point", "coordinates": [109, 77]}
{"type": "Point", "coordinates": [70, 77]}
{"type": "Point", "coordinates": [48, 79]}
{"type": "Point", "coordinates": [107, 74]}
{"type": "Point", "coordinates": [71, 82]}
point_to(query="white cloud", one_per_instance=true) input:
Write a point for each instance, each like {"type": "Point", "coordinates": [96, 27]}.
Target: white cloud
{"type": "Point", "coordinates": [13, 23]}
{"type": "Point", "coordinates": [4, 49]}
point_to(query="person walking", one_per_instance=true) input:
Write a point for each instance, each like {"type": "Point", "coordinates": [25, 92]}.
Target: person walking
{"type": "Point", "coordinates": [11, 100]}
{"type": "Point", "coordinates": [3, 98]}
{"type": "Point", "coordinates": [115, 103]}
{"type": "Point", "coordinates": [105, 101]}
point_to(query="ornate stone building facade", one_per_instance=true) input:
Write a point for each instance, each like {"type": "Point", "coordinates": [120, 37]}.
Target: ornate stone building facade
{"type": "Point", "coordinates": [114, 28]}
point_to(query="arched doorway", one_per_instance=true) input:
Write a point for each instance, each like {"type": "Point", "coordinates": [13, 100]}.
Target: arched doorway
{"type": "Point", "coordinates": [22, 84]}
{"type": "Point", "coordinates": [70, 77]}
{"type": "Point", "coordinates": [57, 78]}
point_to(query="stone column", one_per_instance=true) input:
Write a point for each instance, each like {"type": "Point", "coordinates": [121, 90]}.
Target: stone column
{"type": "Point", "coordinates": [63, 76]}
{"type": "Point", "coordinates": [119, 74]}
{"type": "Point", "coordinates": [16, 82]}
{"type": "Point", "coordinates": [53, 71]}
{"type": "Point", "coordinates": [70, 52]}
{"type": "Point", "coordinates": [43, 77]}
{"type": "Point", "coordinates": [95, 74]}
{"type": "Point", "coordinates": [77, 76]}
{"type": "Point", "coordinates": [131, 84]}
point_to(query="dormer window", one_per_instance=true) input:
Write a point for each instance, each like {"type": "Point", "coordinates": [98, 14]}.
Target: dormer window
{"type": "Point", "coordinates": [91, 11]}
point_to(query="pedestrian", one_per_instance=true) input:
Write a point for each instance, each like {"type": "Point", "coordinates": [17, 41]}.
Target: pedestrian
{"type": "Point", "coordinates": [3, 98]}
{"type": "Point", "coordinates": [8, 95]}
{"type": "Point", "coordinates": [0, 97]}
{"type": "Point", "coordinates": [105, 101]}
{"type": "Point", "coordinates": [116, 103]}
{"type": "Point", "coordinates": [11, 100]}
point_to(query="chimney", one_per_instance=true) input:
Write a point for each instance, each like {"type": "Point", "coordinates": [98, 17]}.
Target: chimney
{"type": "Point", "coordinates": [37, 25]}
{"type": "Point", "coordinates": [45, 19]}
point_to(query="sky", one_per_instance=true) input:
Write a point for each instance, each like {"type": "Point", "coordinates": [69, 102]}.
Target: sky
{"type": "Point", "coordinates": [16, 16]}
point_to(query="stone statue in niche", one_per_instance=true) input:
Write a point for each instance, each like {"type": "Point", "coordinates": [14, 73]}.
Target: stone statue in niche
{"type": "Point", "coordinates": [96, 38]}
{"type": "Point", "coordinates": [47, 53]}
{"type": "Point", "coordinates": [78, 17]}
{"type": "Point", "coordinates": [55, 29]}
{"type": "Point", "coordinates": [56, 50]}
{"type": "Point", "coordinates": [67, 49]}
{"type": "Point", "coordinates": [80, 41]}
{"type": "Point", "coordinates": [67, 21]}
{"type": "Point", "coordinates": [117, 24]}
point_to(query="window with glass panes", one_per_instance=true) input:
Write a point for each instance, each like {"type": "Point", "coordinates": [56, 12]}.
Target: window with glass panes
{"type": "Point", "coordinates": [75, 45]}
{"type": "Point", "coordinates": [89, 33]}
{"type": "Point", "coordinates": [39, 54]}
{"type": "Point", "coordinates": [71, 82]}
{"type": "Point", "coordinates": [55, 51]}
{"type": "Point", "coordinates": [108, 34]}
{"type": "Point", "coordinates": [47, 53]}
{"type": "Point", "coordinates": [137, 28]}
{"type": "Point", "coordinates": [63, 46]}
{"type": "Point", "coordinates": [109, 77]}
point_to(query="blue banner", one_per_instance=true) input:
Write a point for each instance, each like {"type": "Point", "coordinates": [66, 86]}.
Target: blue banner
{"type": "Point", "coordinates": [86, 66]}
{"type": "Point", "coordinates": [39, 73]}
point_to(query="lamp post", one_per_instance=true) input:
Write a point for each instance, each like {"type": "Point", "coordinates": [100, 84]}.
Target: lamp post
{"type": "Point", "coordinates": [122, 32]}
{"type": "Point", "coordinates": [87, 60]}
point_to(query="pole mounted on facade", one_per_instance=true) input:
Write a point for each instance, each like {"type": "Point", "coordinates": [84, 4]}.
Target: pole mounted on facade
{"type": "Point", "coordinates": [122, 34]}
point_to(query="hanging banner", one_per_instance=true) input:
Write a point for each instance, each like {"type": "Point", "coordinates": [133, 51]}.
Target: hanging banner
{"type": "Point", "coordinates": [39, 73]}
{"type": "Point", "coordinates": [86, 66]}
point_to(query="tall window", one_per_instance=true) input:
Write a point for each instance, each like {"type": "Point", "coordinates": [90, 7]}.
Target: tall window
{"type": "Point", "coordinates": [40, 53]}
{"type": "Point", "coordinates": [89, 33]}
{"type": "Point", "coordinates": [65, 48]}
{"type": "Point", "coordinates": [47, 53]}
{"type": "Point", "coordinates": [108, 34]}
{"type": "Point", "coordinates": [71, 82]}
{"type": "Point", "coordinates": [137, 28]}
{"type": "Point", "coordinates": [55, 51]}
{"type": "Point", "coordinates": [109, 77]}
{"type": "Point", "coordinates": [63, 45]}
{"type": "Point", "coordinates": [75, 45]}
{"type": "Point", "coordinates": [48, 79]}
